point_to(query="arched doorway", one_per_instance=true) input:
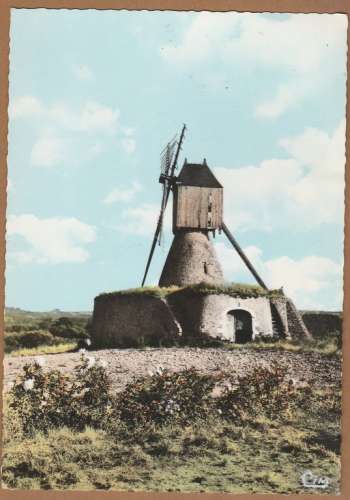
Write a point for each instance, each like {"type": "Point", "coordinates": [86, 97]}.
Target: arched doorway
{"type": "Point", "coordinates": [242, 325]}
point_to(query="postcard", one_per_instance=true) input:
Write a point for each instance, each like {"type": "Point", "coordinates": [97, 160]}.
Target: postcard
{"type": "Point", "coordinates": [174, 251]}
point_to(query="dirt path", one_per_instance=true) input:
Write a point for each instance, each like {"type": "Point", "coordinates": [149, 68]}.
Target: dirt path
{"type": "Point", "coordinates": [124, 364]}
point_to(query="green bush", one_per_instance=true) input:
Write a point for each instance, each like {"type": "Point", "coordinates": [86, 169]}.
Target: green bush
{"type": "Point", "coordinates": [91, 399]}
{"type": "Point", "coordinates": [265, 390]}
{"type": "Point", "coordinates": [67, 328]}
{"type": "Point", "coordinates": [164, 396]}
{"type": "Point", "coordinates": [22, 327]}
{"type": "Point", "coordinates": [35, 338]}
{"type": "Point", "coordinates": [43, 399]}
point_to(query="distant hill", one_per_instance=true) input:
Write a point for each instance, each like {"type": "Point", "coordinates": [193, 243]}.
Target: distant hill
{"type": "Point", "coordinates": [14, 315]}
{"type": "Point", "coordinates": [53, 313]}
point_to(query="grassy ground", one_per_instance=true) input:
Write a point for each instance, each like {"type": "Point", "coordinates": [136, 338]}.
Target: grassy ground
{"type": "Point", "coordinates": [330, 345]}
{"type": "Point", "coordinates": [45, 349]}
{"type": "Point", "coordinates": [262, 456]}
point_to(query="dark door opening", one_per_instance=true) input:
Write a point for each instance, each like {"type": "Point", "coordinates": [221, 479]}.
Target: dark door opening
{"type": "Point", "coordinates": [242, 325]}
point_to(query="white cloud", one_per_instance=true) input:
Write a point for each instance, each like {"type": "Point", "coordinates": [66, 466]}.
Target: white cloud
{"type": "Point", "coordinates": [142, 220]}
{"type": "Point", "coordinates": [53, 240]}
{"type": "Point", "coordinates": [252, 193]}
{"type": "Point", "coordinates": [91, 117]}
{"type": "Point", "coordinates": [25, 106]}
{"type": "Point", "coordinates": [48, 151]}
{"type": "Point", "coordinates": [128, 142]}
{"type": "Point", "coordinates": [286, 96]}
{"type": "Point", "coordinates": [302, 45]}
{"type": "Point", "coordinates": [232, 263]}
{"type": "Point", "coordinates": [309, 274]}
{"type": "Point", "coordinates": [123, 195]}
{"type": "Point", "coordinates": [83, 72]}
{"type": "Point", "coordinates": [304, 280]}
{"type": "Point", "coordinates": [307, 189]}
{"type": "Point", "coordinates": [66, 134]}
{"type": "Point", "coordinates": [299, 42]}
{"type": "Point", "coordinates": [319, 194]}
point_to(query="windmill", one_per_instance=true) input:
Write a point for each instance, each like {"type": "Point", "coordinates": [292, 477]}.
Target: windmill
{"type": "Point", "coordinates": [197, 212]}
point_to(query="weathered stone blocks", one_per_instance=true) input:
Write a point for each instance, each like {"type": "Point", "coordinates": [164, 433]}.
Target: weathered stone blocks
{"type": "Point", "coordinates": [191, 259]}
{"type": "Point", "coordinates": [124, 317]}
{"type": "Point", "coordinates": [121, 319]}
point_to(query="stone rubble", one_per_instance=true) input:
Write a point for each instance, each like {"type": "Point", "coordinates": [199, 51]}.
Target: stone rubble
{"type": "Point", "coordinates": [123, 365]}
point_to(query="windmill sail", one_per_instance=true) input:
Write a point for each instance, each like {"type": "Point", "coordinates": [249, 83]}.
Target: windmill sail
{"type": "Point", "coordinates": [166, 156]}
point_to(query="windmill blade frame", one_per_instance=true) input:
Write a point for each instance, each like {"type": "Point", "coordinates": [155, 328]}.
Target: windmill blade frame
{"type": "Point", "coordinates": [166, 156]}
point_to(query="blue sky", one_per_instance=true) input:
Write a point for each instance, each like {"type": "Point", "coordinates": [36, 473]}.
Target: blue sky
{"type": "Point", "coordinates": [95, 96]}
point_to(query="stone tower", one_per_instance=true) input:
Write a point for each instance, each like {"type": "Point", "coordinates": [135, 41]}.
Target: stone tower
{"type": "Point", "coordinates": [191, 259]}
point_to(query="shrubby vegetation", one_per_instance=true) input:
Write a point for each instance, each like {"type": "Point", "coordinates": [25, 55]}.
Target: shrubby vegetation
{"type": "Point", "coordinates": [38, 331]}
{"type": "Point", "coordinates": [29, 338]}
{"type": "Point", "coordinates": [182, 431]}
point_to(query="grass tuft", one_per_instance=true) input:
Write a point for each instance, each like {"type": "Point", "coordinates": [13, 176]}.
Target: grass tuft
{"type": "Point", "coordinates": [147, 291]}
{"type": "Point", "coordinates": [241, 290]}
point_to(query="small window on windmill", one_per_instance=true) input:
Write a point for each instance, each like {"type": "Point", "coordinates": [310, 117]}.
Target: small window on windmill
{"type": "Point", "coordinates": [210, 203]}
{"type": "Point", "coordinates": [210, 206]}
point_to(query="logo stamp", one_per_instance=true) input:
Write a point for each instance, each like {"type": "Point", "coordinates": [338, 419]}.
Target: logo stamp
{"type": "Point", "coordinates": [311, 480]}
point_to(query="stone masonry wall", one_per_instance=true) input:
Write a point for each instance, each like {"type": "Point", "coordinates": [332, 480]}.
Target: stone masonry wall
{"type": "Point", "coordinates": [295, 322]}
{"type": "Point", "coordinates": [216, 322]}
{"type": "Point", "coordinates": [191, 259]}
{"type": "Point", "coordinates": [208, 314]}
{"type": "Point", "coordinates": [279, 317]}
{"type": "Point", "coordinates": [120, 319]}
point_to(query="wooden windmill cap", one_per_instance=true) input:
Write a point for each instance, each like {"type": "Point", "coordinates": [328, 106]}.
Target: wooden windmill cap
{"type": "Point", "coordinates": [198, 174]}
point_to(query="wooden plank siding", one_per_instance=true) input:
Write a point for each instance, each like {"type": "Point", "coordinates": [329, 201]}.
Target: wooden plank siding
{"type": "Point", "coordinates": [191, 207]}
